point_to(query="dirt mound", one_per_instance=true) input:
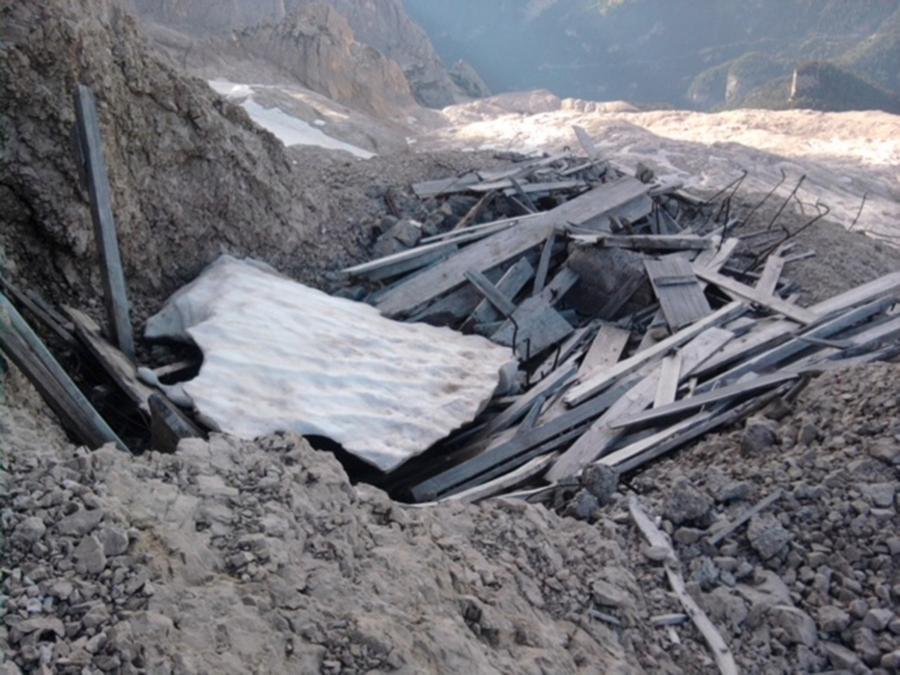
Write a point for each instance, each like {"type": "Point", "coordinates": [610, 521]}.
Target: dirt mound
{"type": "Point", "coordinates": [261, 557]}
{"type": "Point", "coordinates": [811, 583]}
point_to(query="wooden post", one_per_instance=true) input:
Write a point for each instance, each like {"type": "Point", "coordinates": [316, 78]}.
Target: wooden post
{"type": "Point", "coordinates": [116, 294]}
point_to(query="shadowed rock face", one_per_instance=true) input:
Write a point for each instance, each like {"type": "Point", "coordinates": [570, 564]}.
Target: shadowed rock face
{"type": "Point", "coordinates": [380, 24]}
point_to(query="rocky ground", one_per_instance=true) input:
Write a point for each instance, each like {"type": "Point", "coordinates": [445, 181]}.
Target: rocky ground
{"type": "Point", "coordinates": [812, 583]}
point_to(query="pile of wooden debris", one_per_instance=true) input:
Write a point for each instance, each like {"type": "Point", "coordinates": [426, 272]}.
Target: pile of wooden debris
{"type": "Point", "coordinates": [639, 321]}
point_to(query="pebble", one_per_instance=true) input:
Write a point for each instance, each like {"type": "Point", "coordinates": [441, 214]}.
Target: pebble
{"type": "Point", "coordinates": [878, 619]}
{"type": "Point", "coordinates": [89, 556]}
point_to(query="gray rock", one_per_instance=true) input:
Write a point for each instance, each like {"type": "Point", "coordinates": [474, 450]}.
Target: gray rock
{"type": "Point", "coordinates": [60, 588]}
{"type": "Point", "coordinates": [797, 625]}
{"type": "Point", "coordinates": [808, 435]}
{"type": "Point", "coordinates": [89, 556]}
{"type": "Point", "coordinates": [880, 494]}
{"type": "Point", "coordinates": [80, 523]}
{"type": "Point", "coordinates": [29, 531]}
{"type": "Point", "coordinates": [885, 449]}
{"type": "Point", "coordinates": [685, 536]}
{"type": "Point", "coordinates": [114, 540]}
{"type": "Point", "coordinates": [858, 608]}
{"type": "Point", "coordinates": [584, 506]}
{"type": "Point", "coordinates": [759, 434]}
{"type": "Point", "coordinates": [840, 657]}
{"type": "Point", "coordinates": [604, 593]}
{"type": "Point", "coordinates": [725, 606]}
{"type": "Point", "coordinates": [601, 481]}
{"type": "Point", "coordinates": [767, 537]}
{"type": "Point", "coordinates": [878, 619]}
{"type": "Point", "coordinates": [407, 232]}
{"type": "Point", "coordinates": [891, 661]}
{"type": "Point", "coordinates": [833, 619]}
{"type": "Point", "coordinates": [866, 646]}
{"type": "Point", "coordinates": [687, 504]}
{"type": "Point", "coordinates": [732, 491]}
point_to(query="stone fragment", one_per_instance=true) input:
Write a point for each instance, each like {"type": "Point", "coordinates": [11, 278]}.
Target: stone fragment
{"type": "Point", "coordinates": [877, 619]}
{"type": "Point", "coordinates": [29, 531]}
{"type": "Point", "coordinates": [797, 625]}
{"type": "Point", "coordinates": [407, 232]}
{"type": "Point", "coordinates": [891, 661]}
{"type": "Point", "coordinates": [885, 449]}
{"type": "Point", "coordinates": [759, 434]}
{"type": "Point", "coordinates": [601, 481]}
{"type": "Point", "coordinates": [687, 504]}
{"type": "Point", "coordinates": [604, 593]}
{"type": "Point", "coordinates": [808, 435]}
{"type": "Point", "coordinates": [80, 523]}
{"type": "Point", "coordinates": [840, 657]}
{"type": "Point", "coordinates": [767, 537]}
{"type": "Point", "coordinates": [584, 506]}
{"type": "Point", "coordinates": [89, 556]}
{"type": "Point", "coordinates": [114, 540]}
{"type": "Point", "coordinates": [880, 494]}
{"type": "Point", "coordinates": [833, 619]}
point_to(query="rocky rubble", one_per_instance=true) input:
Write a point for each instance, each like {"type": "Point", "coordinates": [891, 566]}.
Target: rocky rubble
{"type": "Point", "coordinates": [811, 583]}
{"type": "Point", "coordinates": [261, 557]}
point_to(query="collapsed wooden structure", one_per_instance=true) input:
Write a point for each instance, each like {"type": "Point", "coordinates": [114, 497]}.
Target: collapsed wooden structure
{"type": "Point", "coordinates": [639, 318]}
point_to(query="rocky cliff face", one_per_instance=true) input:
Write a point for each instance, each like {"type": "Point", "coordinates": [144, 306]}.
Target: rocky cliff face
{"type": "Point", "coordinates": [191, 176]}
{"type": "Point", "coordinates": [380, 24]}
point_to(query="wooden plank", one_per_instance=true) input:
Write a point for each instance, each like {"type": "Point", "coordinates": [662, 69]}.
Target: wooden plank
{"type": "Point", "coordinates": [745, 517]}
{"type": "Point", "coordinates": [505, 450]}
{"type": "Point", "coordinates": [587, 143]}
{"type": "Point", "coordinates": [535, 326]}
{"type": "Point", "coordinates": [714, 258]}
{"type": "Point", "coordinates": [445, 186]}
{"type": "Point", "coordinates": [595, 382]}
{"type": "Point", "coordinates": [620, 297]}
{"type": "Point", "coordinates": [501, 484]}
{"type": "Point", "coordinates": [768, 282]}
{"type": "Point", "coordinates": [598, 439]}
{"type": "Point", "coordinates": [474, 212]}
{"type": "Point", "coordinates": [646, 450]}
{"type": "Point", "coordinates": [749, 293]}
{"type": "Point", "coordinates": [114, 362]}
{"type": "Point", "coordinates": [411, 265]}
{"type": "Point", "coordinates": [670, 376]}
{"type": "Point", "coordinates": [606, 349]}
{"type": "Point", "coordinates": [509, 286]}
{"type": "Point", "coordinates": [112, 274]}
{"type": "Point", "coordinates": [490, 292]}
{"type": "Point", "coordinates": [655, 537]}
{"type": "Point", "coordinates": [679, 292]}
{"type": "Point", "coordinates": [25, 349]}
{"type": "Point", "coordinates": [751, 386]}
{"type": "Point", "coordinates": [168, 425]}
{"type": "Point", "coordinates": [540, 277]}
{"type": "Point", "coordinates": [645, 242]}
{"type": "Point", "coordinates": [58, 327]}
{"type": "Point", "coordinates": [506, 245]}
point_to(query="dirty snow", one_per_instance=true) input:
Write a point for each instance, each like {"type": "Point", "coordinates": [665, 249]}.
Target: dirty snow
{"type": "Point", "coordinates": [280, 356]}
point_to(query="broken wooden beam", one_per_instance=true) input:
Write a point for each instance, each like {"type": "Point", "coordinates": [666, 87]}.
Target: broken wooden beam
{"type": "Point", "coordinates": [26, 350]}
{"type": "Point", "coordinates": [679, 292]}
{"type": "Point", "coordinates": [115, 291]}
{"type": "Point", "coordinates": [645, 242]}
{"type": "Point", "coordinates": [753, 295]}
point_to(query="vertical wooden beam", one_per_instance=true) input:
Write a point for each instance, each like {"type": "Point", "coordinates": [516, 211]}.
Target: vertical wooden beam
{"type": "Point", "coordinates": [115, 292]}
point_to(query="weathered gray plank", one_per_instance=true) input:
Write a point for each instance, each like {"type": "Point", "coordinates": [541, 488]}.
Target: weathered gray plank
{"type": "Point", "coordinates": [52, 322]}
{"type": "Point", "coordinates": [645, 242]}
{"type": "Point", "coordinates": [540, 277]}
{"type": "Point", "coordinates": [692, 403]}
{"type": "Point", "coordinates": [502, 246]}
{"type": "Point", "coordinates": [115, 291]}
{"type": "Point", "coordinates": [168, 425]}
{"type": "Point", "coordinates": [768, 282]}
{"type": "Point", "coordinates": [745, 517]}
{"type": "Point", "coordinates": [669, 377]}
{"type": "Point", "coordinates": [679, 292]}
{"type": "Point", "coordinates": [606, 349]}
{"type": "Point", "coordinates": [655, 537]}
{"type": "Point", "coordinates": [601, 435]}
{"type": "Point", "coordinates": [587, 143]}
{"type": "Point", "coordinates": [25, 349]}
{"type": "Point", "coordinates": [595, 382]}
{"type": "Point", "coordinates": [535, 326]}
{"type": "Point", "coordinates": [490, 292]}
{"type": "Point", "coordinates": [509, 286]}
{"type": "Point", "coordinates": [768, 300]}
{"type": "Point", "coordinates": [444, 186]}
{"type": "Point", "coordinates": [114, 362]}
